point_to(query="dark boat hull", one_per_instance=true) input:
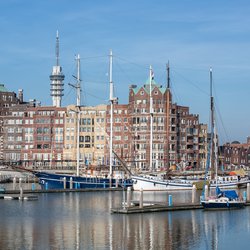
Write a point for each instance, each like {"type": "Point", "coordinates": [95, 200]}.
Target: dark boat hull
{"type": "Point", "coordinates": [222, 205]}
{"type": "Point", "coordinates": [61, 181]}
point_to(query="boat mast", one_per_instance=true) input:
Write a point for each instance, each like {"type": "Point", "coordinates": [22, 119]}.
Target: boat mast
{"type": "Point", "coordinates": [151, 118]}
{"type": "Point", "coordinates": [212, 155]}
{"type": "Point", "coordinates": [168, 117]}
{"type": "Point", "coordinates": [111, 99]}
{"type": "Point", "coordinates": [168, 76]}
{"type": "Point", "coordinates": [78, 104]}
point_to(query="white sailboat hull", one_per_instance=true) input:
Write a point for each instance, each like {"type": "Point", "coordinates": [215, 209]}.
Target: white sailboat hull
{"type": "Point", "coordinates": [148, 183]}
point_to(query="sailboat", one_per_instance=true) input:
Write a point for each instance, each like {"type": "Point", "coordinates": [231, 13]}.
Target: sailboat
{"type": "Point", "coordinates": [222, 199]}
{"type": "Point", "coordinates": [156, 181]}
{"type": "Point", "coordinates": [62, 181]}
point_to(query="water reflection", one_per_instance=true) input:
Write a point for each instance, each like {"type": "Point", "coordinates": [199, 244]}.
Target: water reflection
{"type": "Point", "coordinates": [84, 221]}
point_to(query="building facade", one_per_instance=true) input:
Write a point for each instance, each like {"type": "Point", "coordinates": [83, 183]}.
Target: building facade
{"type": "Point", "coordinates": [92, 136]}
{"type": "Point", "coordinates": [46, 137]}
{"type": "Point", "coordinates": [139, 114]}
{"type": "Point", "coordinates": [33, 136]}
{"type": "Point", "coordinates": [7, 100]}
{"type": "Point", "coordinates": [176, 133]}
{"type": "Point", "coordinates": [122, 137]}
{"type": "Point", "coordinates": [235, 154]}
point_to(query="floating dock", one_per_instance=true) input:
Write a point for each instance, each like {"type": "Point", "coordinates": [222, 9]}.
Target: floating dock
{"type": "Point", "coordinates": [68, 190]}
{"type": "Point", "coordinates": [28, 195]}
{"type": "Point", "coordinates": [153, 206]}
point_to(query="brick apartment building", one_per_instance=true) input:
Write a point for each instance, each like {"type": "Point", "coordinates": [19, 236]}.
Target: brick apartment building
{"type": "Point", "coordinates": [33, 136]}
{"type": "Point", "coordinates": [139, 109]}
{"type": "Point", "coordinates": [45, 137]}
{"type": "Point", "coordinates": [122, 137]}
{"type": "Point", "coordinates": [7, 100]}
{"type": "Point", "coordinates": [235, 154]}
{"type": "Point", "coordinates": [178, 137]}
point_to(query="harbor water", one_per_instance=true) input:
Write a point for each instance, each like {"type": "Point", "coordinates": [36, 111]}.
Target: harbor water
{"type": "Point", "coordinates": [83, 221]}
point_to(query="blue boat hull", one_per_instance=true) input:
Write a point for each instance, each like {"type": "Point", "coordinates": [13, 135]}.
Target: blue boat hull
{"type": "Point", "coordinates": [61, 181]}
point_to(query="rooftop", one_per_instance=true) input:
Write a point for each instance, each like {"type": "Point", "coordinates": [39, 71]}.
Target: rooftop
{"type": "Point", "coordinates": [2, 88]}
{"type": "Point", "coordinates": [146, 87]}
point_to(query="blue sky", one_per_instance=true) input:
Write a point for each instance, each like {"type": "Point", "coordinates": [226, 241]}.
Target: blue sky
{"type": "Point", "coordinates": [192, 35]}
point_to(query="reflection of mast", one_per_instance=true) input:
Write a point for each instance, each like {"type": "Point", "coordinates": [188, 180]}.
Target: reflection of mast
{"type": "Point", "coordinates": [77, 226]}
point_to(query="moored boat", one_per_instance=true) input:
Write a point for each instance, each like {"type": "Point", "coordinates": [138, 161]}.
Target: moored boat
{"type": "Point", "coordinates": [222, 199]}
{"type": "Point", "coordinates": [153, 182]}
{"type": "Point", "coordinates": [60, 181]}
{"type": "Point", "coordinates": [228, 182]}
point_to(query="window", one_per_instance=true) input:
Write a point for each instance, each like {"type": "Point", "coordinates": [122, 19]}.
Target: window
{"type": "Point", "coordinates": [87, 138]}
{"type": "Point", "coordinates": [39, 130]}
{"type": "Point", "coordinates": [11, 130]}
{"type": "Point", "coordinates": [10, 138]}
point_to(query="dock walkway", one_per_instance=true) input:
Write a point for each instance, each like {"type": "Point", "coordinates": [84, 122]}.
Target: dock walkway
{"type": "Point", "coordinates": [153, 206]}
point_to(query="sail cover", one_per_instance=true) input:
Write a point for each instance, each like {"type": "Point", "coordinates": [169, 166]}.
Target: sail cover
{"type": "Point", "coordinates": [230, 194]}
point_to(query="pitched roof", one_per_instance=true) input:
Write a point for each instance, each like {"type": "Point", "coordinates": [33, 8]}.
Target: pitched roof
{"type": "Point", "coordinates": [146, 87]}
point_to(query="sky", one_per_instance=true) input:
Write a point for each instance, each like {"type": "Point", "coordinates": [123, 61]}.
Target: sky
{"type": "Point", "coordinates": [192, 35]}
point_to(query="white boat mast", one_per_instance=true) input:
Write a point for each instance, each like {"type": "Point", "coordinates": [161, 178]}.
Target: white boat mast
{"type": "Point", "coordinates": [151, 119]}
{"type": "Point", "coordinates": [78, 104]}
{"type": "Point", "coordinates": [111, 99]}
{"type": "Point", "coordinates": [78, 83]}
